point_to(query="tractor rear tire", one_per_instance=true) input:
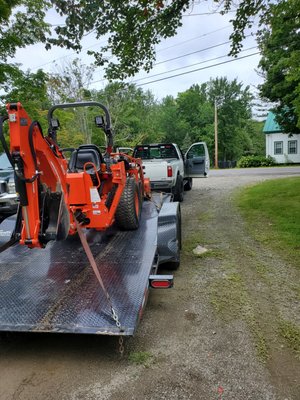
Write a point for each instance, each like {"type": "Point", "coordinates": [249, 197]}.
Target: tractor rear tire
{"type": "Point", "coordinates": [129, 209]}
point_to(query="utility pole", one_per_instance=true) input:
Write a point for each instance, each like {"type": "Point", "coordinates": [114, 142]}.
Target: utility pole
{"type": "Point", "coordinates": [216, 136]}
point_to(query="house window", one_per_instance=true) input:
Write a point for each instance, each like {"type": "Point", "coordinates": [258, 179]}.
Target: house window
{"type": "Point", "coordinates": [292, 147]}
{"type": "Point", "coordinates": [278, 147]}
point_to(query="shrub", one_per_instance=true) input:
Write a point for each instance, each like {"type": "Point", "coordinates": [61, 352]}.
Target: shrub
{"type": "Point", "coordinates": [255, 161]}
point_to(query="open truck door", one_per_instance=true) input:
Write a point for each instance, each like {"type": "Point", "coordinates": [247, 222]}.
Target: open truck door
{"type": "Point", "coordinates": [197, 161]}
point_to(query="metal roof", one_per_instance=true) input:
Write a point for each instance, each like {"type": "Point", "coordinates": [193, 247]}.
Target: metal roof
{"type": "Point", "coordinates": [271, 125]}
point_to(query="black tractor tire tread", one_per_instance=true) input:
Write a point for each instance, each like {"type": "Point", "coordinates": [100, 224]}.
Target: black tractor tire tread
{"type": "Point", "coordinates": [126, 216]}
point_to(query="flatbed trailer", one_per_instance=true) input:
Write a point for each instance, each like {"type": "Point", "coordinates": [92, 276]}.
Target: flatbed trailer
{"type": "Point", "coordinates": [55, 290]}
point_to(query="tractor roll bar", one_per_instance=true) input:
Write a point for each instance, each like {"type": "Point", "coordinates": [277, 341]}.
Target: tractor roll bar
{"type": "Point", "coordinates": [107, 128]}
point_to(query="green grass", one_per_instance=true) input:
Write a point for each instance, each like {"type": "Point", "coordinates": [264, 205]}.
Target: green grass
{"type": "Point", "coordinates": [140, 358]}
{"type": "Point", "coordinates": [229, 297]}
{"type": "Point", "coordinates": [273, 210]}
{"type": "Point", "coordinates": [291, 333]}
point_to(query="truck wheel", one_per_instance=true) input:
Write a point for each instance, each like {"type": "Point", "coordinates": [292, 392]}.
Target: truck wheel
{"type": "Point", "coordinates": [178, 189]}
{"type": "Point", "coordinates": [188, 184]}
{"type": "Point", "coordinates": [129, 209]}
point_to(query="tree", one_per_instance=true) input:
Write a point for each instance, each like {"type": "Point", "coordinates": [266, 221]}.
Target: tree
{"type": "Point", "coordinates": [190, 118]}
{"type": "Point", "coordinates": [187, 142]}
{"type": "Point", "coordinates": [136, 27]}
{"type": "Point", "coordinates": [133, 113]}
{"type": "Point", "coordinates": [170, 123]}
{"type": "Point", "coordinates": [20, 28]}
{"type": "Point", "coordinates": [70, 85]}
{"type": "Point", "coordinates": [133, 28]}
{"type": "Point", "coordinates": [234, 110]}
{"type": "Point", "coordinates": [195, 108]}
{"type": "Point", "coordinates": [30, 89]}
{"type": "Point", "coordinates": [70, 82]}
{"type": "Point", "coordinates": [280, 47]}
{"type": "Point", "coordinates": [257, 144]}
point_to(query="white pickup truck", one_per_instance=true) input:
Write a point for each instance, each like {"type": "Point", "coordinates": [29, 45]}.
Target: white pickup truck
{"type": "Point", "coordinates": [169, 169]}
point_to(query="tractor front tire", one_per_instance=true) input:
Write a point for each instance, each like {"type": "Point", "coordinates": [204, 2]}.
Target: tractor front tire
{"type": "Point", "coordinates": [129, 209]}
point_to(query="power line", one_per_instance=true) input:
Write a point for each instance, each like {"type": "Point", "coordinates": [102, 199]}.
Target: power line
{"type": "Point", "coordinates": [69, 55]}
{"type": "Point", "coordinates": [105, 41]}
{"type": "Point", "coordinates": [164, 61]}
{"type": "Point", "coordinates": [187, 66]}
{"type": "Point", "coordinates": [178, 44]}
{"type": "Point", "coordinates": [209, 13]}
{"type": "Point", "coordinates": [194, 38]}
{"type": "Point", "coordinates": [191, 65]}
{"type": "Point", "coordinates": [183, 55]}
{"type": "Point", "coordinates": [193, 52]}
{"type": "Point", "coordinates": [199, 69]}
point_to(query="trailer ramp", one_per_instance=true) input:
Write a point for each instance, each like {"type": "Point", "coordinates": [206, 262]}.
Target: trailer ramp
{"type": "Point", "coordinates": [55, 289]}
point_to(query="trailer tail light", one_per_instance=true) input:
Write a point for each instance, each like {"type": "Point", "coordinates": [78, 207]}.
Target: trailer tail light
{"type": "Point", "coordinates": [169, 171]}
{"type": "Point", "coordinates": [161, 281]}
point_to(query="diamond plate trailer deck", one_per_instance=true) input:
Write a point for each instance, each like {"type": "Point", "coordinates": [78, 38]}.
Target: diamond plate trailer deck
{"type": "Point", "coordinates": [55, 289]}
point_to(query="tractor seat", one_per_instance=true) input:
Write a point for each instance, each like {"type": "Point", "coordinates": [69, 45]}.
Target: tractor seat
{"type": "Point", "coordinates": [85, 153]}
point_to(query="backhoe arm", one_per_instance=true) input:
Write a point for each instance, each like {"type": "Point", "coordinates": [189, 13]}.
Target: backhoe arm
{"type": "Point", "coordinates": [40, 170]}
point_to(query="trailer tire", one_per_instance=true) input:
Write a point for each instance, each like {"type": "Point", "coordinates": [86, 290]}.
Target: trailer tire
{"type": "Point", "coordinates": [129, 209]}
{"type": "Point", "coordinates": [188, 184]}
{"type": "Point", "coordinates": [178, 189]}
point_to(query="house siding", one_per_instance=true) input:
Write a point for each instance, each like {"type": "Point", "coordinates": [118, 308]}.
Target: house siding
{"type": "Point", "coordinates": [283, 158]}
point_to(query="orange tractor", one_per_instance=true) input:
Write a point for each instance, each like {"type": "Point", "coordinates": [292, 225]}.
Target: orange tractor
{"type": "Point", "coordinates": [56, 195]}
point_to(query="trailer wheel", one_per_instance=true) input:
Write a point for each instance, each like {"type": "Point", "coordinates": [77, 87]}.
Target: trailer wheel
{"type": "Point", "coordinates": [129, 209]}
{"type": "Point", "coordinates": [178, 189]}
{"type": "Point", "coordinates": [188, 184]}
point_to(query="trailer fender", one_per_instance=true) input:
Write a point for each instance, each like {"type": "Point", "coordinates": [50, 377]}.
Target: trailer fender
{"type": "Point", "coordinates": [169, 233]}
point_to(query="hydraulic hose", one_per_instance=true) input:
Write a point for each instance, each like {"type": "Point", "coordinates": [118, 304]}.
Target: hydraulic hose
{"type": "Point", "coordinates": [33, 154]}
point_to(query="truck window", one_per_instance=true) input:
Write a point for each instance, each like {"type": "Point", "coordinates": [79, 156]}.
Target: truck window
{"type": "Point", "coordinates": [142, 152]}
{"type": "Point", "coordinates": [156, 151]}
{"type": "Point", "coordinates": [196, 151]}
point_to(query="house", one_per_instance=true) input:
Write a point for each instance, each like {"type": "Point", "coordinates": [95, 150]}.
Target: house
{"type": "Point", "coordinates": [282, 147]}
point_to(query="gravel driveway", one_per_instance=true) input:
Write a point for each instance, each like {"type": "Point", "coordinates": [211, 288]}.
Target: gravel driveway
{"type": "Point", "coordinates": [214, 336]}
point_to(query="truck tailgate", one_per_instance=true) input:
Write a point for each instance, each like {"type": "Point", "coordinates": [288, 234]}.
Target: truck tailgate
{"type": "Point", "coordinates": [155, 170]}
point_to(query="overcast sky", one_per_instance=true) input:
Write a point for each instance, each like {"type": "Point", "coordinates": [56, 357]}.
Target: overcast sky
{"type": "Point", "coordinates": [198, 33]}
